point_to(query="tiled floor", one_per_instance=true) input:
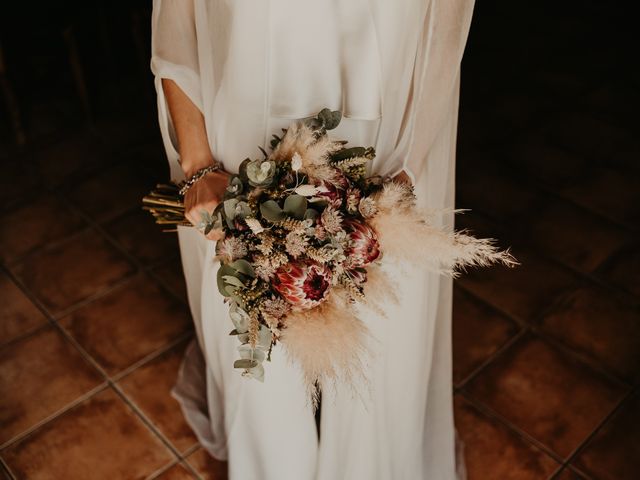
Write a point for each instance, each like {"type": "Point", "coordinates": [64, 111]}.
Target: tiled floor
{"type": "Point", "coordinates": [93, 320]}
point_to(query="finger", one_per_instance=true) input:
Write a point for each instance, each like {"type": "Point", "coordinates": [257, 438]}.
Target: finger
{"type": "Point", "coordinates": [190, 216]}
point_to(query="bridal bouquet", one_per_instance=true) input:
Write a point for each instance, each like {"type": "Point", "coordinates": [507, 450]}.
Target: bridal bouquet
{"type": "Point", "coordinates": [305, 234]}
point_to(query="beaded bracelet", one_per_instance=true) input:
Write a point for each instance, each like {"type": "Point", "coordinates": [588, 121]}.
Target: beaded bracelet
{"type": "Point", "coordinates": [186, 185]}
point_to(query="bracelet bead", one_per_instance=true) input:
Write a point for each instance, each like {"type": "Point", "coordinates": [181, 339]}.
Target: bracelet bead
{"type": "Point", "coordinates": [187, 184]}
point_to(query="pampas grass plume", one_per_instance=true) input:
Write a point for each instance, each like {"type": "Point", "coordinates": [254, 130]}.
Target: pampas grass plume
{"type": "Point", "coordinates": [328, 342]}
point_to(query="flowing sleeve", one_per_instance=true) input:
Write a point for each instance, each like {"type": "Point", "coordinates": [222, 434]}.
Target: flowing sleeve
{"type": "Point", "coordinates": [434, 86]}
{"type": "Point", "coordinates": [174, 56]}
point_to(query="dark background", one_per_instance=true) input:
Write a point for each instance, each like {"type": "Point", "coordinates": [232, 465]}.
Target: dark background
{"type": "Point", "coordinates": [94, 319]}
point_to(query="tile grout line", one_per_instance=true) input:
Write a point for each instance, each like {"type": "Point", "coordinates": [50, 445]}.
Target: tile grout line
{"type": "Point", "coordinates": [121, 375]}
{"type": "Point", "coordinates": [494, 356]}
{"type": "Point", "coordinates": [590, 277]}
{"type": "Point", "coordinates": [87, 357]}
{"type": "Point", "coordinates": [523, 435]}
{"type": "Point", "coordinates": [5, 468]}
{"type": "Point", "coordinates": [532, 326]}
{"type": "Point", "coordinates": [584, 444]}
{"type": "Point", "coordinates": [60, 412]}
{"type": "Point", "coordinates": [145, 420]}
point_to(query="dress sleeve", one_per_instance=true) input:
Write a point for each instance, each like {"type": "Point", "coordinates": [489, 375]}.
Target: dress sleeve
{"type": "Point", "coordinates": [434, 86]}
{"type": "Point", "coordinates": [174, 56]}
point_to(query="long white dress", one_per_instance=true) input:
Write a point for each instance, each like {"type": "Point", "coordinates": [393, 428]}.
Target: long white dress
{"type": "Point", "coordinates": [392, 68]}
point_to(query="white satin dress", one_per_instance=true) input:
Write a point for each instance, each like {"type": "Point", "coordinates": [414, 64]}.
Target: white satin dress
{"type": "Point", "coordinates": [392, 68]}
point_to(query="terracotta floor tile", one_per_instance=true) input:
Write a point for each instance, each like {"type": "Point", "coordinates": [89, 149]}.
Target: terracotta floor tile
{"type": "Point", "coordinates": [35, 224]}
{"type": "Point", "coordinates": [128, 324]}
{"type": "Point", "coordinates": [71, 272]}
{"type": "Point", "coordinates": [493, 451]}
{"type": "Point", "coordinates": [112, 192]}
{"type": "Point", "coordinates": [140, 236]}
{"type": "Point", "coordinates": [599, 325]}
{"type": "Point", "coordinates": [18, 315]}
{"type": "Point", "coordinates": [207, 467]}
{"type": "Point", "coordinates": [622, 269]}
{"type": "Point", "coordinates": [572, 235]}
{"type": "Point", "coordinates": [595, 193]}
{"type": "Point", "coordinates": [177, 472]}
{"type": "Point", "coordinates": [41, 374]}
{"type": "Point", "coordinates": [554, 398]}
{"type": "Point", "coordinates": [478, 332]}
{"type": "Point", "coordinates": [100, 439]}
{"type": "Point", "coordinates": [568, 474]}
{"type": "Point", "coordinates": [150, 386]}
{"type": "Point", "coordinates": [172, 275]}
{"type": "Point", "coordinates": [614, 452]}
{"type": "Point", "coordinates": [524, 291]}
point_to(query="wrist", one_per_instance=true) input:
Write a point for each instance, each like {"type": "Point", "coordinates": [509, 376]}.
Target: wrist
{"type": "Point", "coordinates": [191, 164]}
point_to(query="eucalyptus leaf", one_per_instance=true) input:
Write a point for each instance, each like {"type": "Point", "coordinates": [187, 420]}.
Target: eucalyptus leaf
{"type": "Point", "coordinates": [265, 338]}
{"type": "Point", "coordinates": [257, 373]}
{"type": "Point", "coordinates": [271, 211]}
{"type": "Point", "coordinates": [231, 280]}
{"type": "Point", "coordinates": [253, 354]}
{"type": "Point", "coordinates": [239, 318]}
{"type": "Point", "coordinates": [330, 119]}
{"type": "Point", "coordinates": [242, 170]}
{"type": "Point", "coordinates": [245, 363]}
{"type": "Point", "coordinates": [244, 267]}
{"type": "Point", "coordinates": [230, 289]}
{"type": "Point", "coordinates": [222, 272]}
{"type": "Point", "coordinates": [295, 205]}
{"type": "Point", "coordinates": [311, 214]}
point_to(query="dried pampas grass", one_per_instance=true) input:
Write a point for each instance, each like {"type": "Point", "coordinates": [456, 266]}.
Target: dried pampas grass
{"type": "Point", "coordinates": [328, 342]}
{"type": "Point", "coordinates": [378, 290]}
{"type": "Point", "coordinates": [314, 151]}
{"type": "Point", "coordinates": [407, 234]}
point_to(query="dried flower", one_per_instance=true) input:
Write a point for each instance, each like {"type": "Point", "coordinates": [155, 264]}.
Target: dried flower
{"type": "Point", "coordinates": [295, 244]}
{"type": "Point", "coordinates": [303, 284]}
{"type": "Point", "coordinates": [367, 207]}
{"type": "Point", "coordinates": [296, 162]}
{"type": "Point", "coordinates": [230, 249]}
{"type": "Point", "coordinates": [254, 224]}
{"type": "Point", "coordinates": [363, 244]}
{"type": "Point", "coordinates": [331, 220]}
{"type": "Point", "coordinates": [275, 307]}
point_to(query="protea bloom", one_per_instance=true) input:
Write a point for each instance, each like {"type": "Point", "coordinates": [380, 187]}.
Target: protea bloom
{"type": "Point", "coordinates": [303, 284]}
{"type": "Point", "coordinates": [363, 244]}
{"type": "Point", "coordinates": [335, 192]}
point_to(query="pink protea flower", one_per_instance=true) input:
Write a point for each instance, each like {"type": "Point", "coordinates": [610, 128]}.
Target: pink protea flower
{"type": "Point", "coordinates": [335, 192]}
{"type": "Point", "coordinates": [303, 284]}
{"type": "Point", "coordinates": [363, 244]}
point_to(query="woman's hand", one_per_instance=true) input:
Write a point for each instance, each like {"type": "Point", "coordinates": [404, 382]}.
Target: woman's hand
{"type": "Point", "coordinates": [204, 196]}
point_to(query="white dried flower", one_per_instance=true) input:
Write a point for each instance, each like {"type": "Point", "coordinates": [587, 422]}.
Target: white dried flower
{"type": "Point", "coordinates": [254, 224]}
{"type": "Point", "coordinates": [295, 244]}
{"type": "Point", "coordinates": [367, 207]}
{"type": "Point", "coordinates": [275, 307]}
{"type": "Point", "coordinates": [230, 249]}
{"type": "Point", "coordinates": [306, 190]}
{"type": "Point", "coordinates": [296, 162]}
{"type": "Point", "coordinates": [331, 220]}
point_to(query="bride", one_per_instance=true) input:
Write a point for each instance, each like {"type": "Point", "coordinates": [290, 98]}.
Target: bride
{"type": "Point", "coordinates": [229, 74]}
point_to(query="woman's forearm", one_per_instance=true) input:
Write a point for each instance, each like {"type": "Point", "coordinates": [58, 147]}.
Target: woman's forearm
{"type": "Point", "coordinates": [188, 123]}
